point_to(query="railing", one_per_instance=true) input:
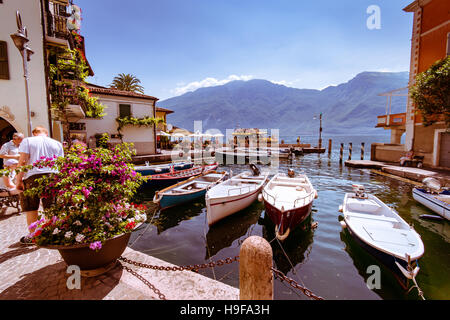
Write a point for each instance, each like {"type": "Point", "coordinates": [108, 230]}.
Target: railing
{"type": "Point", "coordinates": [57, 21]}
{"type": "Point", "coordinates": [240, 189]}
{"type": "Point", "coordinates": [398, 119]}
{"type": "Point", "coordinates": [306, 199]}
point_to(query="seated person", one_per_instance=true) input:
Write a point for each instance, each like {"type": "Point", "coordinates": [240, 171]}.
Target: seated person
{"type": "Point", "coordinates": [408, 157]}
{"type": "Point", "coordinates": [10, 154]}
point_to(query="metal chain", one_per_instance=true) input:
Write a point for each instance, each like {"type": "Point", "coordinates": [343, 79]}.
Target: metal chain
{"type": "Point", "coordinates": [151, 286]}
{"type": "Point", "coordinates": [277, 274]}
{"type": "Point", "coordinates": [194, 267]}
{"type": "Point", "coordinates": [280, 275]}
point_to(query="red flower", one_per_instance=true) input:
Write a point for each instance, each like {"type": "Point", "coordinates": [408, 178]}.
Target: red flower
{"type": "Point", "coordinates": [130, 225]}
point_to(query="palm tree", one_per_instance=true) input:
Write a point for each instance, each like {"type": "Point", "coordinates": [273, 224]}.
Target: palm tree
{"type": "Point", "coordinates": [127, 82]}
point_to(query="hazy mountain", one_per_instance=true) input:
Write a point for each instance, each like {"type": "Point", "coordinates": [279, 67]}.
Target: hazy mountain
{"type": "Point", "coordinates": [353, 106]}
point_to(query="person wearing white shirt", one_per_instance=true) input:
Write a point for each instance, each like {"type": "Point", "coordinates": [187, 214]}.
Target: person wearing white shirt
{"type": "Point", "coordinates": [10, 154]}
{"type": "Point", "coordinates": [32, 149]}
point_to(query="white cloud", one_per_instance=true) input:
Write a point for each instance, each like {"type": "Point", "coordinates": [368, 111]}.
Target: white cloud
{"type": "Point", "coordinates": [207, 82]}
{"type": "Point", "coordinates": [283, 83]}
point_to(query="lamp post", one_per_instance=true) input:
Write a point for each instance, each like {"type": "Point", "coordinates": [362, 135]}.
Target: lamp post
{"type": "Point", "coordinates": [21, 40]}
{"type": "Point", "coordinates": [320, 130]}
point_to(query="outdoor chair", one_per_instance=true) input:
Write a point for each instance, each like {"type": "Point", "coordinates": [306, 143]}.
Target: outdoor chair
{"type": "Point", "coordinates": [9, 198]}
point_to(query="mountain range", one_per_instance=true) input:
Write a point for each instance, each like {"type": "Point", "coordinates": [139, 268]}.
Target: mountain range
{"type": "Point", "coordinates": [348, 108]}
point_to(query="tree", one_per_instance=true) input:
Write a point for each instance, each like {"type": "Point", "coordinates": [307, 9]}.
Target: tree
{"type": "Point", "coordinates": [431, 93]}
{"type": "Point", "coordinates": [127, 82]}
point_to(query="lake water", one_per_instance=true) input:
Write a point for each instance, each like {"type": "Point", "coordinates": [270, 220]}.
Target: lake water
{"type": "Point", "coordinates": [326, 259]}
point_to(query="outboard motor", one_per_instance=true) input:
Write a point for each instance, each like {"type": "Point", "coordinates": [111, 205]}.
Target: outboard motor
{"type": "Point", "coordinates": [432, 184]}
{"type": "Point", "coordinates": [255, 169]}
{"type": "Point", "coordinates": [291, 173]}
{"type": "Point", "coordinates": [359, 190]}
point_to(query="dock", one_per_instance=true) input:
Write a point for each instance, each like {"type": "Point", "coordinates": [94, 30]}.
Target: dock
{"type": "Point", "coordinates": [409, 173]}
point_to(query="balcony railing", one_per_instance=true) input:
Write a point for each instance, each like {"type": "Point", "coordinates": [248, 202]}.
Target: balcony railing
{"type": "Point", "coordinates": [57, 21]}
{"type": "Point", "coordinates": [392, 120]}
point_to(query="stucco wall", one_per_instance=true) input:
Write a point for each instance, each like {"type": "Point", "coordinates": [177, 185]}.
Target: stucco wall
{"type": "Point", "coordinates": [12, 91]}
{"type": "Point", "coordinates": [142, 137]}
{"type": "Point", "coordinates": [386, 152]}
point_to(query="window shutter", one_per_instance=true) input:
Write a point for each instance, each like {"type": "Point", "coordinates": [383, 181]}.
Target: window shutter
{"type": "Point", "coordinates": [4, 68]}
{"type": "Point", "coordinates": [124, 110]}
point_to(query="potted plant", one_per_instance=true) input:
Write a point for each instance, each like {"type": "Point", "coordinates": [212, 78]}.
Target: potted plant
{"type": "Point", "coordinates": [92, 217]}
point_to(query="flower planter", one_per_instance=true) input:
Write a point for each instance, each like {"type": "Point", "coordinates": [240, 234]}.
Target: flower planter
{"type": "Point", "coordinates": [93, 262]}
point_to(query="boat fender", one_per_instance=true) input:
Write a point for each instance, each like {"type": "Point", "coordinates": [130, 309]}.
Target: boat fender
{"type": "Point", "coordinates": [343, 224]}
{"type": "Point", "coordinates": [341, 208]}
{"type": "Point", "coordinates": [283, 236]}
{"type": "Point", "coordinates": [260, 197]}
{"type": "Point", "coordinates": [316, 195]}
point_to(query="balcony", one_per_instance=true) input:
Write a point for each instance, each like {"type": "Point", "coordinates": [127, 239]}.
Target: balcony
{"type": "Point", "coordinates": [397, 120]}
{"type": "Point", "coordinates": [56, 22]}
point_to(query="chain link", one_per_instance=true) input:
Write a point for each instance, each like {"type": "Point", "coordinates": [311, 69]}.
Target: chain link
{"type": "Point", "coordinates": [280, 275]}
{"type": "Point", "coordinates": [277, 274]}
{"type": "Point", "coordinates": [145, 281]}
{"type": "Point", "coordinates": [194, 267]}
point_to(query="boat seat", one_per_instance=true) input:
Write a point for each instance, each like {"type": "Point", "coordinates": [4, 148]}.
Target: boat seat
{"type": "Point", "coordinates": [245, 180]}
{"type": "Point", "coordinates": [362, 205]}
{"type": "Point", "coordinates": [290, 184]}
{"type": "Point", "coordinates": [372, 217]}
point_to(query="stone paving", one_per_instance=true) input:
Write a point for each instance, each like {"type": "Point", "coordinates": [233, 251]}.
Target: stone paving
{"type": "Point", "coordinates": [30, 273]}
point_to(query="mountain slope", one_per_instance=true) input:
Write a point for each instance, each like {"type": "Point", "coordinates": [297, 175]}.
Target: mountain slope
{"type": "Point", "coordinates": [262, 104]}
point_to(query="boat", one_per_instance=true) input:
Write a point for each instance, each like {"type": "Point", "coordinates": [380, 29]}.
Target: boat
{"type": "Point", "coordinates": [188, 190]}
{"type": "Point", "coordinates": [234, 194]}
{"type": "Point", "coordinates": [433, 197]}
{"type": "Point", "coordinates": [288, 199]}
{"type": "Point", "coordinates": [242, 156]}
{"type": "Point", "coordinates": [148, 170]}
{"type": "Point", "coordinates": [175, 176]}
{"type": "Point", "coordinates": [382, 232]}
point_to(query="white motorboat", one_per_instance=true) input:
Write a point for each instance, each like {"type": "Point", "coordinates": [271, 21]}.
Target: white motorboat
{"type": "Point", "coordinates": [288, 201]}
{"type": "Point", "coordinates": [382, 232]}
{"type": "Point", "coordinates": [433, 197]}
{"type": "Point", "coordinates": [233, 195]}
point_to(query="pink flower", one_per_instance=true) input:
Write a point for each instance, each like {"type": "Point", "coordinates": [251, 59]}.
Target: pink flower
{"type": "Point", "coordinates": [97, 245]}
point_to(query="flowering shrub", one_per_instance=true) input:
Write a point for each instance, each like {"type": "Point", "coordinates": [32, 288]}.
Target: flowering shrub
{"type": "Point", "coordinates": [91, 196]}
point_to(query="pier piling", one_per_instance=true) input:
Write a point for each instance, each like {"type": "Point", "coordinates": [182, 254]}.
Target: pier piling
{"type": "Point", "coordinates": [341, 153]}
{"type": "Point", "coordinates": [350, 147]}
{"type": "Point", "coordinates": [255, 269]}
{"type": "Point", "coordinates": [362, 150]}
{"type": "Point", "coordinates": [330, 143]}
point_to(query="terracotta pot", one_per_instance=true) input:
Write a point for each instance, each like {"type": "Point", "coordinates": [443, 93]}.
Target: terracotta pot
{"type": "Point", "coordinates": [87, 259]}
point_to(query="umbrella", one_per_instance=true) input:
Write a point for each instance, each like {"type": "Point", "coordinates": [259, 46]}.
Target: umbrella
{"type": "Point", "coordinates": [178, 135]}
{"type": "Point", "coordinates": [162, 133]}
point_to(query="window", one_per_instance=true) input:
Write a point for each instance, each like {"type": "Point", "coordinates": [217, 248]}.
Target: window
{"type": "Point", "coordinates": [124, 110]}
{"type": "Point", "coordinates": [4, 69]}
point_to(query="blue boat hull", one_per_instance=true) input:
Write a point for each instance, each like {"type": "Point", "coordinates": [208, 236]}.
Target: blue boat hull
{"type": "Point", "coordinates": [168, 201]}
{"type": "Point", "coordinates": [150, 172]}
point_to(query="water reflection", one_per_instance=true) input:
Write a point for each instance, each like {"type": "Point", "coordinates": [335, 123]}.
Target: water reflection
{"type": "Point", "coordinates": [294, 250]}
{"type": "Point", "coordinates": [390, 287]}
{"type": "Point", "coordinates": [222, 234]}
{"type": "Point", "coordinates": [172, 217]}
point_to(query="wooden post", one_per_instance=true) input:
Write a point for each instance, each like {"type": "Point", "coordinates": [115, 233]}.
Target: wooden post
{"type": "Point", "coordinates": [362, 150]}
{"type": "Point", "coordinates": [350, 147]}
{"type": "Point", "coordinates": [255, 269]}
{"type": "Point", "coordinates": [329, 146]}
{"type": "Point", "coordinates": [341, 153]}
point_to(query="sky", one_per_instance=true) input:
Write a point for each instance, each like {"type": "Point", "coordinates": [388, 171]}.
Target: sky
{"type": "Point", "coordinates": [176, 46]}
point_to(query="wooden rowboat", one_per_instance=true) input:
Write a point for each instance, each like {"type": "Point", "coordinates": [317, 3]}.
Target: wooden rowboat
{"type": "Point", "coordinates": [382, 232]}
{"type": "Point", "coordinates": [186, 191]}
{"type": "Point", "coordinates": [288, 202]}
{"type": "Point", "coordinates": [175, 176]}
{"type": "Point", "coordinates": [233, 195]}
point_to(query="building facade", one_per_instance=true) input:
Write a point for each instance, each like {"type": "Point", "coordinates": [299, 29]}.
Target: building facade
{"type": "Point", "coordinates": [13, 110]}
{"type": "Point", "coordinates": [430, 42]}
